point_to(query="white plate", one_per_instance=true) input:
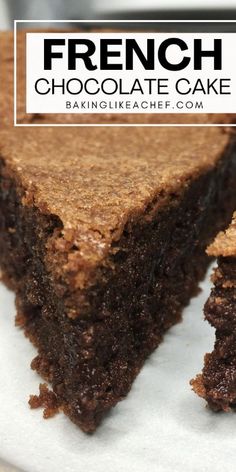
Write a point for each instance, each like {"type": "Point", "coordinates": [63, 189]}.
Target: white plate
{"type": "Point", "coordinates": [162, 425]}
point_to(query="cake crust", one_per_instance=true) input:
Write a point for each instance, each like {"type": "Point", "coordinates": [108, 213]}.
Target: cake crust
{"type": "Point", "coordinates": [225, 243]}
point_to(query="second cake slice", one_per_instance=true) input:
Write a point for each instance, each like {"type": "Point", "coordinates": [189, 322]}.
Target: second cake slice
{"type": "Point", "coordinates": [217, 383]}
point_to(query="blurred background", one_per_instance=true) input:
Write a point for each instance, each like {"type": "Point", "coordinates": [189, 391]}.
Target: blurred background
{"type": "Point", "coordinates": [119, 9]}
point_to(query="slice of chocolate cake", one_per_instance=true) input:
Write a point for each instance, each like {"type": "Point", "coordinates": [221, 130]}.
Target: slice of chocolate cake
{"type": "Point", "coordinates": [103, 235]}
{"type": "Point", "coordinates": [217, 383]}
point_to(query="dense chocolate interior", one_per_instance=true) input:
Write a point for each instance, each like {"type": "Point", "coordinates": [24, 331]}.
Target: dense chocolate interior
{"type": "Point", "coordinates": [93, 360]}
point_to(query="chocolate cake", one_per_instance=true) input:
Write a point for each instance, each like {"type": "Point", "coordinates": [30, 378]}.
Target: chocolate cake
{"type": "Point", "coordinates": [102, 237]}
{"type": "Point", "coordinates": [217, 383]}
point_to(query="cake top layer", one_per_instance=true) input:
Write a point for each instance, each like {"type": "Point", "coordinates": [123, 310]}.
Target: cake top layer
{"type": "Point", "coordinates": [225, 242]}
{"type": "Point", "coordinates": [97, 179]}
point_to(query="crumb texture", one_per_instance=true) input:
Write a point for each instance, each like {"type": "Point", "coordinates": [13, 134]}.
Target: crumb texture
{"type": "Point", "coordinates": [46, 399]}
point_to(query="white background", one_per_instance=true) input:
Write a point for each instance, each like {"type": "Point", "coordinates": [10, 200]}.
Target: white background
{"type": "Point", "coordinates": [56, 104]}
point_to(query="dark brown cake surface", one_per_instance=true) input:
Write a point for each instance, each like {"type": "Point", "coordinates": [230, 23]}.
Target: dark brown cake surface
{"type": "Point", "coordinates": [217, 383]}
{"type": "Point", "coordinates": [103, 238]}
